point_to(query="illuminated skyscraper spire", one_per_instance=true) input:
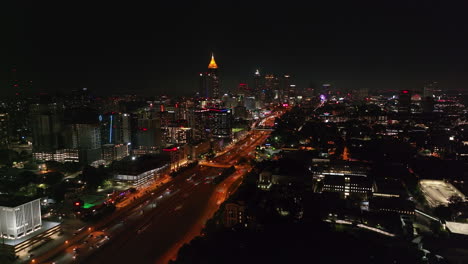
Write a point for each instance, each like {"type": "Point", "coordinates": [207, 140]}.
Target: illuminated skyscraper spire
{"type": "Point", "coordinates": [212, 64]}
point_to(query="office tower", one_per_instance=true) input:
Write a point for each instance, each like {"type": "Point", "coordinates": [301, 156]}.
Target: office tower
{"type": "Point", "coordinates": [82, 135]}
{"type": "Point", "coordinates": [404, 101]}
{"type": "Point", "coordinates": [111, 152]}
{"type": "Point", "coordinates": [429, 89]}
{"type": "Point", "coordinates": [220, 123]}
{"type": "Point", "coordinates": [243, 90]}
{"type": "Point", "coordinates": [214, 79]}
{"type": "Point", "coordinates": [240, 111]}
{"type": "Point", "coordinates": [4, 130]}
{"type": "Point", "coordinates": [271, 85]}
{"type": "Point", "coordinates": [111, 128]}
{"type": "Point", "coordinates": [126, 128]}
{"type": "Point", "coordinates": [196, 120]}
{"type": "Point", "coordinates": [19, 123]}
{"type": "Point", "coordinates": [148, 135]}
{"type": "Point", "coordinates": [203, 89]}
{"type": "Point", "coordinates": [361, 94]}
{"type": "Point", "coordinates": [258, 86]}
{"type": "Point", "coordinates": [284, 87]}
{"type": "Point", "coordinates": [46, 125]}
{"type": "Point", "coordinates": [209, 81]}
{"type": "Point", "coordinates": [80, 98]}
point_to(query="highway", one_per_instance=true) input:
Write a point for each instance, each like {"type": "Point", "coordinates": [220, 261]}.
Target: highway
{"type": "Point", "coordinates": [181, 218]}
{"type": "Point", "coordinates": [161, 219]}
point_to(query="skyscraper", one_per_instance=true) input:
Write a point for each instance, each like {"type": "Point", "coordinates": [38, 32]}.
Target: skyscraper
{"type": "Point", "coordinates": [404, 101]}
{"type": "Point", "coordinates": [4, 130]}
{"type": "Point", "coordinates": [429, 89]}
{"type": "Point", "coordinates": [284, 87]}
{"type": "Point", "coordinates": [209, 81]}
{"type": "Point", "coordinates": [111, 128]}
{"type": "Point", "coordinates": [258, 86]}
{"type": "Point", "coordinates": [46, 125]}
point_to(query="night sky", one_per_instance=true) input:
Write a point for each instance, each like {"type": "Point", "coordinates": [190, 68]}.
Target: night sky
{"type": "Point", "coordinates": [123, 47]}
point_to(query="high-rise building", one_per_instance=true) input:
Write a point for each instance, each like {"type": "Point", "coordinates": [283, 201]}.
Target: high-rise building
{"type": "Point", "coordinates": [243, 90]}
{"type": "Point", "coordinates": [203, 89]}
{"type": "Point", "coordinates": [19, 217]}
{"type": "Point", "coordinates": [220, 123]}
{"type": "Point", "coordinates": [209, 81]}
{"type": "Point", "coordinates": [258, 86]}
{"type": "Point", "coordinates": [111, 128]}
{"type": "Point", "coordinates": [4, 130]}
{"type": "Point", "coordinates": [148, 136]}
{"type": "Point", "coordinates": [46, 125]}
{"type": "Point", "coordinates": [126, 128]}
{"type": "Point", "coordinates": [82, 135]}
{"type": "Point", "coordinates": [271, 87]}
{"type": "Point", "coordinates": [284, 87]}
{"type": "Point", "coordinates": [111, 152]}
{"type": "Point", "coordinates": [404, 101]}
{"type": "Point", "coordinates": [85, 136]}
{"type": "Point", "coordinates": [429, 89]}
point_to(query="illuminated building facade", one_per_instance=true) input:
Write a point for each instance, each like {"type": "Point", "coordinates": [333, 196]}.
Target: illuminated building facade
{"type": "Point", "coordinates": [347, 185]}
{"type": "Point", "coordinates": [59, 155]}
{"type": "Point", "coordinates": [148, 136]}
{"type": "Point", "coordinates": [111, 128]}
{"type": "Point", "coordinates": [258, 86]}
{"type": "Point", "coordinates": [177, 134]}
{"type": "Point", "coordinates": [220, 123]}
{"type": "Point", "coordinates": [4, 130]}
{"type": "Point", "coordinates": [345, 178]}
{"type": "Point", "coordinates": [111, 152]}
{"type": "Point", "coordinates": [209, 81]}
{"type": "Point", "coordinates": [139, 179]}
{"type": "Point", "coordinates": [20, 219]}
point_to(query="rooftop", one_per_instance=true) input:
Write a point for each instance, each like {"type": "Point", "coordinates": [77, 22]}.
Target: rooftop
{"type": "Point", "coordinates": [13, 201]}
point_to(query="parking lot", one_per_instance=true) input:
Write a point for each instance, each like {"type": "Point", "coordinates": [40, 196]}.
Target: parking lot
{"type": "Point", "coordinates": [438, 192]}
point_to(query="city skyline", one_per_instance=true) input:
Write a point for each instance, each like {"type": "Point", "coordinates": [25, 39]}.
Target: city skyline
{"type": "Point", "coordinates": [136, 49]}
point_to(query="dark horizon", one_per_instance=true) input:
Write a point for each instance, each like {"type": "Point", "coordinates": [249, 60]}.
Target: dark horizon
{"type": "Point", "coordinates": [161, 50]}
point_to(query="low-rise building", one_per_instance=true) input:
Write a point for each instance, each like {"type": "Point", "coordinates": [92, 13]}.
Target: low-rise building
{"type": "Point", "coordinates": [19, 217]}
{"type": "Point", "coordinates": [142, 171]}
{"type": "Point", "coordinates": [234, 214]}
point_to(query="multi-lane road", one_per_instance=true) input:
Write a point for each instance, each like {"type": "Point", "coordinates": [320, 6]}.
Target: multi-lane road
{"type": "Point", "coordinates": [153, 227]}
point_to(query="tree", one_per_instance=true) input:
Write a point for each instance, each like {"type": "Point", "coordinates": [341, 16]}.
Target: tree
{"type": "Point", "coordinates": [53, 165]}
{"type": "Point", "coordinates": [52, 178]}
{"type": "Point", "coordinates": [94, 177]}
{"type": "Point", "coordinates": [59, 191]}
{"type": "Point", "coordinates": [455, 199]}
{"type": "Point", "coordinates": [70, 167]}
{"type": "Point", "coordinates": [26, 177]}
{"type": "Point", "coordinates": [29, 190]}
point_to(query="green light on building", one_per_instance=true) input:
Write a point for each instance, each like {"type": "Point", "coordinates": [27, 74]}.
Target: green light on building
{"type": "Point", "coordinates": [88, 205]}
